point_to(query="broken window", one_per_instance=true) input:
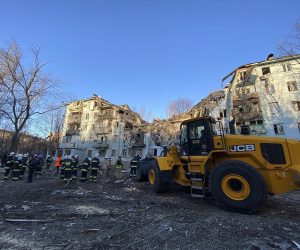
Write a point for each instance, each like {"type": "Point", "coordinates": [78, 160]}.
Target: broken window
{"type": "Point", "coordinates": [87, 116]}
{"type": "Point", "coordinates": [124, 152]}
{"type": "Point", "coordinates": [286, 67]}
{"type": "Point", "coordinates": [68, 138]}
{"type": "Point", "coordinates": [292, 86]}
{"type": "Point", "coordinates": [265, 70]}
{"type": "Point", "coordinates": [89, 153]}
{"type": "Point", "coordinates": [260, 122]}
{"type": "Point", "coordinates": [102, 153]}
{"type": "Point", "coordinates": [242, 75]}
{"type": "Point", "coordinates": [296, 105]}
{"type": "Point", "coordinates": [67, 152]}
{"type": "Point", "coordinates": [278, 129]}
{"type": "Point", "coordinates": [113, 153]}
{"type": "Point", "coordinates": [270, 89]}
{"type": "Point", "coordinates": [274, 106]}
{"type": "Point", "coordinates": [117, 124]}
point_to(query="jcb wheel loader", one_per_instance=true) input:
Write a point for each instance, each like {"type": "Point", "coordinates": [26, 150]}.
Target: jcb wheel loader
{"type": "Point", "coordinates": [238, 170]}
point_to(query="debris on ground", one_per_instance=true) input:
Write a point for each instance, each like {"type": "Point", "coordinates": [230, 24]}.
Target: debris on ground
{"type": "Point", "coordinates": [125, 214]}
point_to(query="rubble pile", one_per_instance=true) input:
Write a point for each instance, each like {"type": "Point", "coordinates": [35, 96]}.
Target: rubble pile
{"type": "Point", "coordinates": [125, 214]}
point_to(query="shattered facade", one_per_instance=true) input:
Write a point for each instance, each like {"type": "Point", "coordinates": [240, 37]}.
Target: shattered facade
{"type": "Point", "coordinates": [95, 125]}
{"type": "Point", "coordinates": [266, 97]}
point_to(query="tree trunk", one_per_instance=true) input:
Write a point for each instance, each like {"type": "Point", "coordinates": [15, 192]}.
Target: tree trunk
{"type": "Point", "coordinates": [15, 142]}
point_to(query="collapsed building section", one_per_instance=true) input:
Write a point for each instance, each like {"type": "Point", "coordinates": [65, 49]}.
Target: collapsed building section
{"type": "Point", "coordinates": [95, 126]}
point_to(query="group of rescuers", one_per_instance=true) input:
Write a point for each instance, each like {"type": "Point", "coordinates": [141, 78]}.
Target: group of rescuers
{"type": "Point", "coordinates": [15, 166]}
{"type": "Point", "coordinates": [67, 166]}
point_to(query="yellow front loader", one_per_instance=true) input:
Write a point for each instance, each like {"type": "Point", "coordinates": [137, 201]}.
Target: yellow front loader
{"type": "Point", "coordinates": [239, 171]}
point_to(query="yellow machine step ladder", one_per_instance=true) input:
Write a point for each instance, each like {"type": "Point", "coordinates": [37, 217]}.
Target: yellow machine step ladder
{"type": "Point", "coordinates": [197, 185]}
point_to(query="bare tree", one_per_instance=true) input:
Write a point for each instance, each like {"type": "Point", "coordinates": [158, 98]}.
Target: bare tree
{"type": "Point", "coordinates": [27, 91]}
{"type": "Point", "coordinates": [291, 45]}
{"type": "Point", "coordinates": [145, 114]}
{"type": "Point", "coordinates": [179, 106]}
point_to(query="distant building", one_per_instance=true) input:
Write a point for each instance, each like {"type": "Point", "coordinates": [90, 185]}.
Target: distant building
{"type": "Point", "coordinates": [95, 125]}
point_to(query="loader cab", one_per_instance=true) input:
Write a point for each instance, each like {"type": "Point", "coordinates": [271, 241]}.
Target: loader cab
{"type": "Point", "coordinates": [196, 136]}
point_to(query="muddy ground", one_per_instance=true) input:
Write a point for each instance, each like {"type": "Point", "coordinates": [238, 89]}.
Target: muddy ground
{"type": "Point", "coordinates": [126, 214]}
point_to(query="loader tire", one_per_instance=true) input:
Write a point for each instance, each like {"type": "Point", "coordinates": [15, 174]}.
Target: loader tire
{"type": "Point", "coordinates": [238, 187]}
{"type": "Point", "coordinates": [155, 178]}
{"type": "Point", "coordinates": [140, 175]}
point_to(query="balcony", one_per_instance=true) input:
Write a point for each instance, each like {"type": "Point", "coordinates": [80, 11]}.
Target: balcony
{"type": "Point", "coordinates": [74, 118]}
{"type": "Point", "coordinates": [247, 96]}
{"type": "Point", "coordinates": [67, 145]}
{"type": "Point", "coordinates": [70, 132]}
{"type": "Point", "coordinates": [251, 116]}
{"type": "Point", "coordinates": [102, 130]}
{"type": "Point", "coordinates": [138, 144]}
{"type": "Point", "coordinates": [100, 144]}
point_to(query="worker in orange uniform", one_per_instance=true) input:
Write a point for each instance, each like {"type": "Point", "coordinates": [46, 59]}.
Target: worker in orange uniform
{"type": "Point", "coordinates": [57, 164]}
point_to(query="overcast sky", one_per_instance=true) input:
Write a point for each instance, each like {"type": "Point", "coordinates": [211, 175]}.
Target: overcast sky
{"type": "Point", "coordinates": [147, 52]}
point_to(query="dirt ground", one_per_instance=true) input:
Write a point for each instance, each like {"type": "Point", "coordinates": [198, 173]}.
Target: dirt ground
{"type": "Point", "coordinates": [125, 214]}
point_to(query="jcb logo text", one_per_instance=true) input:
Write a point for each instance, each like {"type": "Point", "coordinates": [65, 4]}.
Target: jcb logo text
{"type": "Point", "coordinates": [242, 148]}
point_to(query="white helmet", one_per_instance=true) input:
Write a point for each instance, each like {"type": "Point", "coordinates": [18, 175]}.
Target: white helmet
{"type": "Point", "coordinates": [76, 156]}
{"type": "Point", "coordinates": [25, 155]}
{"type": "Point", "coordinates": [12, 154]}
{"type": "Point", "coordinates": [20, 156]}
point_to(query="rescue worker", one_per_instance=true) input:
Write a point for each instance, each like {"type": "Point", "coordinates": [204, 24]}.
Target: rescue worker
{"type": "Point", "coordinates": [9, 165]}
{"type": "Point", "coordinates": [119, 166]}
{"type": "Point", "coordinates": [95, 166]}
{"type": "Point", "coordinates": [4, 159]}
{"type": "Point", "coordinates": [32, 164]}
{"type": "Point", "coordinates": [49, 161]}
{"type": "Point", "coordinates": [133, 165]}
{"type": "Point", "coordinates": [58, 163]}
{"type": "Point", "coordinates": [105, 168]}
{"type": "Point", "coordinates": [25, 164]}
{"type": "Point", "coordinates": [62, 171]}
{"type": "Point", "coordinates": [39, 168]}
{"type": "Point", "coordinates": [74, 166]}
{"type": "Point", "coordinates": [68, 168]}
{"type": "Point", "coordinates": [18, 167]}
{"type": "Point", "coordinates": [84, 169]}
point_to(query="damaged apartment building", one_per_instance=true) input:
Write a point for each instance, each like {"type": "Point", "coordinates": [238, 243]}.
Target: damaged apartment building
{"type": "Point", "coordinates": [95, 125]}
{"type": "Point", "coordinates": [262, 98]}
